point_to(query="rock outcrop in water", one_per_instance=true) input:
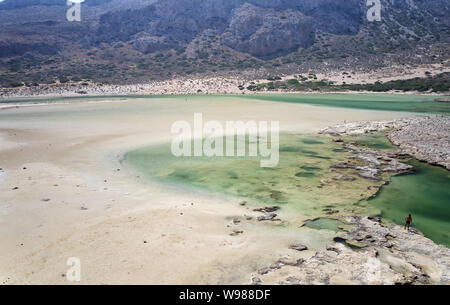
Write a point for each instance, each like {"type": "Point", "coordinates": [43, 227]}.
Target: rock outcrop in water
{"type": "Point", "coordinates": [366, 251]}
{"type": "Point", "coordinates": [368, 163]}
{"type": "Point", "coordinates": [427, 140]}
{"type": "Point", "coordinates": [365, 127]}
{"type": "Point", "coordinates": [372, 163]}
{"type": "Point", "coordinates": [424, 138]}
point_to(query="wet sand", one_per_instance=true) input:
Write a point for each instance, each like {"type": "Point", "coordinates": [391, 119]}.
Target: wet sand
{"type": "Point", "coordinates": [66, 194]}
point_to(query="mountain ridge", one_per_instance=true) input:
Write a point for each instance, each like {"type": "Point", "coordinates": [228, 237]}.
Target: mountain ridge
{"type": "Point", "coordinates": [131, 41]}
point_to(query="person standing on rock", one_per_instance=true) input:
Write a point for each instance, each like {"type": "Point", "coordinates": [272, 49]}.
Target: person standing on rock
{"type": "Point", "coordinates": [408, 220]}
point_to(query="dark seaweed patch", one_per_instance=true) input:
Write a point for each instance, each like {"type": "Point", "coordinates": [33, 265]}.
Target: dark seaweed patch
{"type": "Point", "coordinates": [310, 168]}
{"type": "Point", "coordinates": [304, 174]}
{"type": "Point", "coordinates": [290, 149]}
{"type": "Point", "coordinates": [311, 141]}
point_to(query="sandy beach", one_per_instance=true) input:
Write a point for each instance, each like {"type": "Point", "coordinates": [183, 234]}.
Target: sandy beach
{"type": "Point", "coordinates": [65, 193]}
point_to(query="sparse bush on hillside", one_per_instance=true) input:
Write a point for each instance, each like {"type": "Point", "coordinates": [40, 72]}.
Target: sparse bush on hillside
{"type": "Point", "coordinates": [438, 83]}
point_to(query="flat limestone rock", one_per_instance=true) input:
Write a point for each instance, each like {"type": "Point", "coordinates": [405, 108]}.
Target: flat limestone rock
{"type": "Point", "coordinates": [356, 243]}
{"type": "Point", "coordinates": [299, 247]}
{"type": "Point", "coordinates": [425, 138]}
{"type": "Point", "coordinates": [387, 255]}
{"type": "Point", "coordinates": [267, 209]}
{"type": "Point", "coordinates": [268, 216]}
{"type": "Point", "coordinates": [289, 261]}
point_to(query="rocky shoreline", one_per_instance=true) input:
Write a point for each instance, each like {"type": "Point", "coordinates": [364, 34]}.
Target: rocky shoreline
{"type": "Point", "coordinates": [213, 85]}
{"type": "Point", "coordinates": [372, 163]}
{"type": "Point", "coordinates": [367, 251]}
{"type": "Point", "coordinates": [370, 253]}
{"type": "Point", "coordinates": [231, 83]}
{"type": "Point", "coordinates": [425, 138]}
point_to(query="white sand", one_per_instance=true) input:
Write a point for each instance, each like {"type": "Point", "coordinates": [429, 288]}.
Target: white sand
{"type": "Point", "coordinates": [127, 230]}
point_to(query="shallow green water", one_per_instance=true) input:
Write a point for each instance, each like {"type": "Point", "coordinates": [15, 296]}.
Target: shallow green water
{"type": "Point", "coordinates": [295, 184]}
{"type": "Point", "coordinates": [425, 195]}
{"type": "Point", "coordinates": [376, 140]}
{"type": "Point", "coordinates": [325, 224]}
{"type": "Point", "coordinates": [389, 102]}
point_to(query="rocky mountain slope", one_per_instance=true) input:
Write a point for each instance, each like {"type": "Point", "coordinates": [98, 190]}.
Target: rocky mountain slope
{"type": "Point", "coordinates": [120, 41]}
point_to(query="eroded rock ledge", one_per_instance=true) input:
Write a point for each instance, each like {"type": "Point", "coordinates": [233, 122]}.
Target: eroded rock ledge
{"type": "Point", "coordinates": [372, 163]}
{"type": "Point", "coordinates": [368, 253]}
{"type": "Point", "coordinates": [424, 138]}
{"type": "Point", "coordinates": [427, 140]}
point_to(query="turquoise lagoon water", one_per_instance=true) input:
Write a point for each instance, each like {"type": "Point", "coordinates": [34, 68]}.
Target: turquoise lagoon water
{"type": "Point", "coordinates": [425, 195]}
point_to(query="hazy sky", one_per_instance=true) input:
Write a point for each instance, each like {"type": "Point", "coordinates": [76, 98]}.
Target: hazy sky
{"type": "Point", "coordinates": [75, 1]}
